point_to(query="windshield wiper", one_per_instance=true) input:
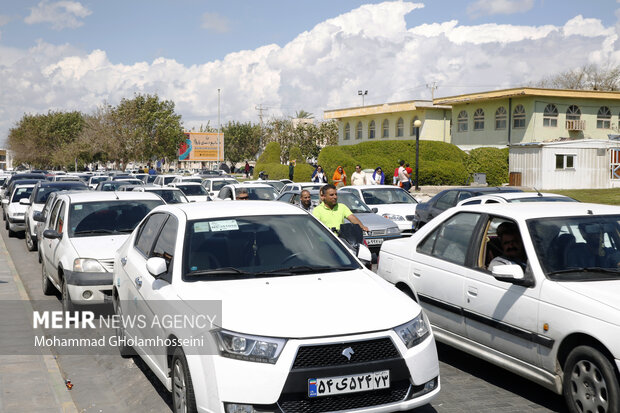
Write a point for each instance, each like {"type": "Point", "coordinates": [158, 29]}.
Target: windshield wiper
{"type": "Point", "coordinates": [96, 231]}
{"type": "Point", "coordinates": [221, 271]}
{"type": "Point", "coordinates": [302, 269]}
{"type": "Point", "coordinates": [590, 270]}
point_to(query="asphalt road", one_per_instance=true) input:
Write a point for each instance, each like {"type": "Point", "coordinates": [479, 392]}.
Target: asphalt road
{"type": "Point", "coordinates": [114, 384]}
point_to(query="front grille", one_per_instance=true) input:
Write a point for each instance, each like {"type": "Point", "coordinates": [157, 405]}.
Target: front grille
{"type": "Point", "coordinates": [409, 217]}
{"type": "Point", "coordinates": [331, 354]}
{"type": "Point", "coordinates": [108, 265]}
{"type": "Point", "coordinates": [397, 392]}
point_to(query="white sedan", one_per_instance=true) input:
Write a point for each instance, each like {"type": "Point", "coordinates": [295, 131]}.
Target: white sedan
{"type": "Point", "coordinates": [549, 310]}
{"type": "Point", "coordinates": [303, 325]}
{"type": "Point", "coordinates": [516, 197]}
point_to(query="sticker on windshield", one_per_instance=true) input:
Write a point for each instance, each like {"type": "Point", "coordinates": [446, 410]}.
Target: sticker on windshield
{"type": "Point", "coordinates": [227, 225]}
{"type": "Point", "coordinates": [201, 227]}
{"type": "Point", "coordinates": [77, 207]}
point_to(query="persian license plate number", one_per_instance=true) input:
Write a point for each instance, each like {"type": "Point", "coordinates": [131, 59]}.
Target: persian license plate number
{"type": "Point", "coordinates": [374, 241]}
{"type": "Point", "coordinates": [348, 384]}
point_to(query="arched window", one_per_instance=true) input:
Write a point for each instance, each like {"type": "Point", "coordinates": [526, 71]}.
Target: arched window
{"type": "Point", "coordinates": [573, 113]}
{"type": "Point", "coordinates": [518, 117]}
{"type": "Point", "coordinates": [400, 127]}
{"type": "Point", "coordinates": [371, 130]}
{"type": "Point", "coordinates": [386, 128]}
{"type": "Point", "coordinates": [461, 122]}
{"type": "Point", "coordinates": [358, 131]}
{"type": "Point", "coordinates": [603, 118]}
{"type": "Point", "coordinates": [500, 118]}
{"type": "Point", "coordinates": [550, 116]}
{"type": "Point", "coordinates": [479, 119]}
{"type": "Point", "coordinates": [347, 131]}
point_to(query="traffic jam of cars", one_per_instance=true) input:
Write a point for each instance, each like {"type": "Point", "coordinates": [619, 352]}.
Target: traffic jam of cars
{"type": "Point", "coordinates": [305, 324]}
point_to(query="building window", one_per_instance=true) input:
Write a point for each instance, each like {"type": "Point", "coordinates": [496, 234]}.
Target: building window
{"type": "Point", "coordinates": [603, 118]}
{"type": "Point", "coordinates": [413, 125]}
{"type": "Point", "coordinates": [371, 130]}
{"type": "Point", "coordinates": [347, 131]}
{"type": "Point", "coordinates": [518, 117]}
{"type": "Point", "coordinates": [500, 118]}
{"type": "Point", "coordinates": [386, 128]}
{"type": "Point", "coordinates": [564, 161]}
{"type": "Point", "coordinates": [358, 131]}
{"type": "Point", "coordinates": [550, 116]}
{"type": "Point", "coordinates": [461, 122]}
{"type": "Point", "coordinates": [573, 113]}
{"type": "Point", "coordinates": [479, 119]}
{"type": "Point", "coordinates": [400, 127]}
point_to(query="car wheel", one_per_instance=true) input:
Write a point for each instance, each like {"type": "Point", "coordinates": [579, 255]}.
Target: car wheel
{"type": "Point", "coordinates": [6, 224]}
{"type": "Point", "coordinates": [31, 244]}
{"type": "Point", "coordinates": [11, 233]}
{"type": "Point", "coordinates": [183, 400]}
{"type": "Point", "coordinates": [590, 382]}
{"type": "Point", "coordinates": [67, 304]}
{"type": "Point", "coordinates": [125, 350]}
{"type": "Point", "coordinates": [48, 287]}
{"type": "Point", "coordinates": [40, 257]}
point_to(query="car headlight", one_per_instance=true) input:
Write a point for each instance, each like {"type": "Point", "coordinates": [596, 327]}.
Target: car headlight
{"type": "Point", "coordinates": [87, 265]}
{"type": "Point", "coordinates": [413, 332]}
{"type": "Point", "coordinates": [393, 230]}
{"type": "Point", "coordinates": [394, 217]}
{"type": "Point", "coordinates": [250, 348]}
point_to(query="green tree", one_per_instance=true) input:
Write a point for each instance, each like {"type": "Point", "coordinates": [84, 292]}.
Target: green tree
{"type": "Point", "coordinates": [302, 114]}
{"type": "Point", "coordinates": [241, 141]}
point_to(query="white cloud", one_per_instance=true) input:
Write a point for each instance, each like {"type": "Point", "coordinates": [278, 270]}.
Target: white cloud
{"type": "Point", "coordinates": [323, 68]}
{"type": "Point", "coordinates": [492, 7]}
{"type": "Point", "coordinates": [215, 23]}
{"type": "Point", "coordinates": [61, 14]}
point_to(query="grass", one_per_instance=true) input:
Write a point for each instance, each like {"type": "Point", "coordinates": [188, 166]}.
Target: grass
{"type": "Point", "coordinates": [596, 196]}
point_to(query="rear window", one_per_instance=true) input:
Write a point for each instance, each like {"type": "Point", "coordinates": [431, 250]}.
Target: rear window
{"type": "Point", "coordinates": [20, 193]}
{"type": "Point", "coordinates": [44, 192]}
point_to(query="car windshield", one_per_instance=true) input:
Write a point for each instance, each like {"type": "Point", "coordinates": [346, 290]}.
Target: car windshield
{"type": "Point", "coordinates": [192, 189]}
{"type": "Point", "coordinates": [354, 203]}
{"type": "Point", "coordinates": [108, 217]}
{"type": "Point", "coordinates": [44, 192]}
{"type": "Point", "coordinates": [266, 245]}
{"type": "Point", "coordinates": [20, 193]}
{"type": "Point", "coordinates": [197, 180]}
{"type": "Point", "coordinates": [381, 196]}
{"type": "Point", "coordinates": [276, 184]}
{"type": "Point", "coordinates": [584, 248]}
{"type": "Point", "coordinates": [544, 199]}
{"type": "Point", "coordinates": [261, 194]}
{"type": "Point", "coordinates": [170, 196]}
{"type": "Point", "coordinates": [149, 179]}
{"type": "Point", "coordinates": [97, 179]}
{"type": "Point", "coordinates": [217, 185]}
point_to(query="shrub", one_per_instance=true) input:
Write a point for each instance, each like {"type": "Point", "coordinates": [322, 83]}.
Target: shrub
{"type": "Point", "coordinates": [303, 172]}
{"type": "Point", "coordinates": [271, 154]}
{"type": "Point", "coordinates": [442, 173]}
{"type": "Point", "coordinates": [491, 161]}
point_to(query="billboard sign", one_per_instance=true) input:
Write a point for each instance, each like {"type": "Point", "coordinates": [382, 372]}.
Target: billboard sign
{"type": "Point", "coordinates": [201, 146]}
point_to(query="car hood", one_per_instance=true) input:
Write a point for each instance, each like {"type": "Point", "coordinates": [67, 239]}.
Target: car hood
{"type": "Point", "coordinates": [397, 209]}
{"type": "Point", "coordinates": [198, 198]}
{"type": "Point", "coordinates": [303, 306]}
{"type": "Point", "coordinates": [99, 247]}
{"type": "Point", "coordinates": [16, 207]}
{"type": "Point", "coordinates": [374, 221]}
{"type": "Point", "coordinates": [603, 292]}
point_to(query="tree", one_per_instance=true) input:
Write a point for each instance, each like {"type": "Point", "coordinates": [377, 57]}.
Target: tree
{"type": "Point", "coordinates": [241, 141]}
{"type": "Point", "coordinates": [587, 77]}
{"type": "Point", "coordinates": [302, 114]}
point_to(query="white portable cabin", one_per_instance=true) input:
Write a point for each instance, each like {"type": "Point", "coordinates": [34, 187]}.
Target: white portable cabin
{"type": "Point", "coordinates": [566, 164]}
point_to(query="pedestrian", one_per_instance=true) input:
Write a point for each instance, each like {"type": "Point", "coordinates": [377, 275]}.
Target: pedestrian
{"type": "Point", "coordinates": [410, 172]}
{"type": "Point", "coordinates": [358, 177]}
{"type": "Point", "coordinates": [340, 177]}
{"type": "Point", "coordinates": [152, 171]}
{"type": "Point", "coordinates": [247, 169]}
{"type": "Point", "coordinates": [305, 201]}
{"type": "Point", "coordinates": [333, 214]}
{"type": "Point", "coordinates": [403, 177]}
{"type": "Point", "coordinates": [318, 175]}
{"type": "Point", "coordinates": [395, 179]}
{"type": "Point", "coordinates": [291, 169]}
{"type": "Point", "coordinates": [378, 177]}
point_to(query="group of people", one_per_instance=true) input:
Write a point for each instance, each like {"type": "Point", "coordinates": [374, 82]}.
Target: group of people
{"type": "Point", "coordinates": [402, 176]}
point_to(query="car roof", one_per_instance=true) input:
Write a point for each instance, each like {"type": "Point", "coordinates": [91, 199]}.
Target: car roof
{"type": "Point", "coordinates": [173, 184]}
{"type": "Point", "coordinates": [232, 209]}
{"type": "Point", "coordinates": [244, 185]}
{"type": "Point", "coordinates": [219, 178]}
{"type": "Point", "coordinates": [528, 210]}
{"type": "Point", "coordinates": [388, 187]}
{"type": "Point", "coordinates": [95, 196]}
{"type": "Point", "coordinates": [516, 195]}
{"type": "Point", "coordinates": [65, 184]}
{"type": "Point", "coordinates": [159, 188]}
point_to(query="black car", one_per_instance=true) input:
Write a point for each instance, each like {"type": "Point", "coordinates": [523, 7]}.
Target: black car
{"type": "Point", "coordinates": [425, 211]}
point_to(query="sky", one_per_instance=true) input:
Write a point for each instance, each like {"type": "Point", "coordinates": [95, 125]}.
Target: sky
{"type": "Point", "coordinates": [285, 55]}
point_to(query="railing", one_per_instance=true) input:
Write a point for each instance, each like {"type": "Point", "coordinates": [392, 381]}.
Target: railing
{"type": "Point", "coordinates": [576, 124]}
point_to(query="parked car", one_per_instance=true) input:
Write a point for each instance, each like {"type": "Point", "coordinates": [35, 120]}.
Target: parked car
{"type": "Point", "coordinates": [114, 185]}
{"type": "Point", "coordinates": [425, 211]}
{"type": "Point", "coordinates": [194, 191]}
{"type": "Point", "coordinates": [389, 201]}
{"type": "Point", "coordinates": [40, 193]}
{"type": "Point", "coordinates": [10, 189]}
{"type": "Point", "coordinates": [503, 198]}
{"type": "Point", "coordinates": [7, 189]}
{"type": "Point", "coordinates": [93, 181]}
{"type": "Point", "coordinates": [278, 185]}
{"type": "Point", "coordinates": [65, 178]}
{"type": "Point", "coordinates": [213, 185]}
{"type": "Point", "coordinates": [148, 179]}
{"type": "Point", "coordinates": [168, 194]}
{"type": "Point", "coordinates": [268, 264]}
{"type": "Point", "coordinates": [184, 179]}
{"type": "Point", "coordinates": [551, 316]}
{"type": "Point", "coordinates": [255, 191]}
{"type": "Point", "coordinates": [163, 180]}
{"type": "Point", "coordinates": [298, 186]}
{"type": "Point", "coordinates": [82, 232]}
{"type": "Point", "coordinates": [16, 209]}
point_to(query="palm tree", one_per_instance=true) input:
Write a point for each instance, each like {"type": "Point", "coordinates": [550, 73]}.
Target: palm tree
{"type": "Point", "coordinates": [302, 114]}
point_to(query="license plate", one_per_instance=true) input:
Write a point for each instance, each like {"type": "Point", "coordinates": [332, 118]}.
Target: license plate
{"type": "Point", "coordinates": [349, 384]}
{"type": "Point", "coordinates": [374, 241]}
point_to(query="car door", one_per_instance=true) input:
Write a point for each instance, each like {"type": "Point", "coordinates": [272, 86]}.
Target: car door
{"type": "Point", "coordinates": [50, 245]}
{"type": "Point", "coordinates": [445, 201]}
{"type": "Point", "coordinates": [439, 269]}
{"type": "Point", "coordinates": [501, 315]}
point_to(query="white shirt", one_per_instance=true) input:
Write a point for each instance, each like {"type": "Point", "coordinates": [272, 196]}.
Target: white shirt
{"type": "Point", "coordinates": [358, 178]}
{"type": "Point", "coordinates": [402, 174]}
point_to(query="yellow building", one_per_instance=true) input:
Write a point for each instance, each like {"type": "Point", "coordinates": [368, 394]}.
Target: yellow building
{"type": "Point", "coordinates": [391, 121]}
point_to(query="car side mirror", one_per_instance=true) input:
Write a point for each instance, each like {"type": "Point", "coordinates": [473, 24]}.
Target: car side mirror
{"type": "Point", "coordinates": [38, 216]}
{"type": "Point", "coordinates": [156, 266]}
{"type": "Point", "coordinates": [363, 253]}
{"type": "Point", "coordinates": [511, 273]}
{"type": "Point", "coordinates": [5, 201]}
{"type": "Point", "coordinates": [24, 201]}
{"type": "Point", "coordinates": [51, 234]}
{"type": "Point", "coordinates": [375, 210]}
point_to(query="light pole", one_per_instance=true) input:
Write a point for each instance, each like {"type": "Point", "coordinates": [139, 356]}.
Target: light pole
{"type": "Point", "coordinates": [218, 130]}
{"type": "Point", "coordinates": [362, 94]}
{"type": "Point", "coordinates": [417, 125]}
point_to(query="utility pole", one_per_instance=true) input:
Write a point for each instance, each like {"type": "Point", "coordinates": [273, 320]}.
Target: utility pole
{"type": "Point", "coordinates": [218, 128]}
{"type": "Point", "coordinates": [432, 86]}
{"type": "Point", "coordinates": [260, 108]}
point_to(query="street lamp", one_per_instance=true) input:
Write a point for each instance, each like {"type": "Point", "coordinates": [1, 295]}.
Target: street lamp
{"type": "Point", "coordinates": [362, 94]}
{"type": "Point", "coordinates": [416, 124]}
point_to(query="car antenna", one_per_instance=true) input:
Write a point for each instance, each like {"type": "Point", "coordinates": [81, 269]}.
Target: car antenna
{"type": "Point", "coordinates": [537, 191]}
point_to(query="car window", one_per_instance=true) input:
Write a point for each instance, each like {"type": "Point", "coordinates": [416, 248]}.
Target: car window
{"type": "Point", "coordinates": [60, 222]}
{"type": "Point", "coordinates": [147, 233]}
{"type": "Point", "coordinates": [447, 200]}
{"type": "Point", "coordinates": [20, 193]}
{"type": "Point", "coordinates": [464, 195]}
{"type": "Point", "coordinates": [451, 240]}
{"type": "Point", "coordinates": [474, 202]}
{"type": "Point", "coordinates": [54, 215]}
{"type": "Point", "coordinates": [287, 198]}
{"type": "Point", "coordinates": [225, 193]}
{"type": "Point", "coordinates": [192, 189]}
{"type": "Point", "coordinates": [164, 246]}
{"type": "Point", "coordinates": [108, 217]}
{"type": "Point", "coordinates": [355, 204]}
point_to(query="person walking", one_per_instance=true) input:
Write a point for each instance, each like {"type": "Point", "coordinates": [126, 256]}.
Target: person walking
{"type": "Point", "coordinates": [403, 177]}
{"type": "Point", "coordinates": [358, 177]}
{"type": "Point", "coordinates": [378, 177]}
{"type": "Point", "coordinates": [333, 214]}
{"type": "Point", "coordinates": [410, 172]}
{"type": "Point", "coordinates": [291, 169]}
{"type": "Point", "coordinates": [247, 169]}
{"type": "Point", "coordinates": [318, 176]}
{"type": "Point", "coordinates": [340, 177]}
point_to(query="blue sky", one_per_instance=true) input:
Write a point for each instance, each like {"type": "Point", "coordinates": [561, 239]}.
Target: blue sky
{"type": "Point", "coordinates": [286, 55]}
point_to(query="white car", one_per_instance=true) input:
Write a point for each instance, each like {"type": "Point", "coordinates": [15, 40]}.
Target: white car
{"type": "Point", "coordinates": [255, 191]}
{"type": "Point", "coordinates": [163, 180]}
{"type": "Point", "coordinates": [294, 186]}
{"type": "Point", "coordinates": [303, 327]}
{"type": "Point", "coordinates": [213, 185]}
{"type": "Point", "coordinates": [81, 233]}
{"type": "Point", "coordinates": [184, 179]}
{"type": "Point", "coordinates": [551, 315]}
{"type": "Point", "coordinates": [168, 194]}
{"type": "Point", "coordinates": [391, 202]}
{"type": "Point", "coordinates": [194, 191]}
{"type": "Point", "coordinates": [16, 205]}
{"type": "Point", "coordinates": [503, 198]}
{"type": "Point", "coordinates": [93, 181]}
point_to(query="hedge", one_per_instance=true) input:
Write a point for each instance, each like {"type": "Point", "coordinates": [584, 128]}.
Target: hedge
{"type": "Point", "coordinates": [269, 162]}
{"type": "Point", "coordinates": [491, 161]}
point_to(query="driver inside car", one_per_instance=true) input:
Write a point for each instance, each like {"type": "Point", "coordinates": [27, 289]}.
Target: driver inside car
{"type": "Point", "coordinates": [512, 246]}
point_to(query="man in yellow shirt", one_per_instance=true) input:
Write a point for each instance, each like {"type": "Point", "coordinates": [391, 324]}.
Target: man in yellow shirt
{"type": "Point", "coordinates": [331, 213]}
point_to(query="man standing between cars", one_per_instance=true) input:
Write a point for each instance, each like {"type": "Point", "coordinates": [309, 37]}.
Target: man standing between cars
{"type": "Point", "coordinates": [305, 201]}
{"type": "Point", "coordinates": [403, 177]}
{"type": "Point", "coordinates": [331, 213]}
{"type": "Point", "coordinates": [291, 169]}
{"type": "Point", "coordinates": [514, 252]}
{"type": "Point", "coordinates": [358, 177]}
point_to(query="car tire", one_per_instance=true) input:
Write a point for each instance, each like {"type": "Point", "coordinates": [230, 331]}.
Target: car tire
{"type": "Point", "coordinates": [590, 382]}
{"type": "Point", "coordinates": [183, 400]}
{"type": "Point", "coordinates": [125, 350]}
{"type": "Point", "coordinates": [46, 284]}
{"type": "Point", "coordinates": [67, 304]}
{"type": "Point", "coordinates": [31, 244]}
{"type": "Point", "coordinates": [11, 233]}
{"type": "Point", "coordinates": [6, 224]}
